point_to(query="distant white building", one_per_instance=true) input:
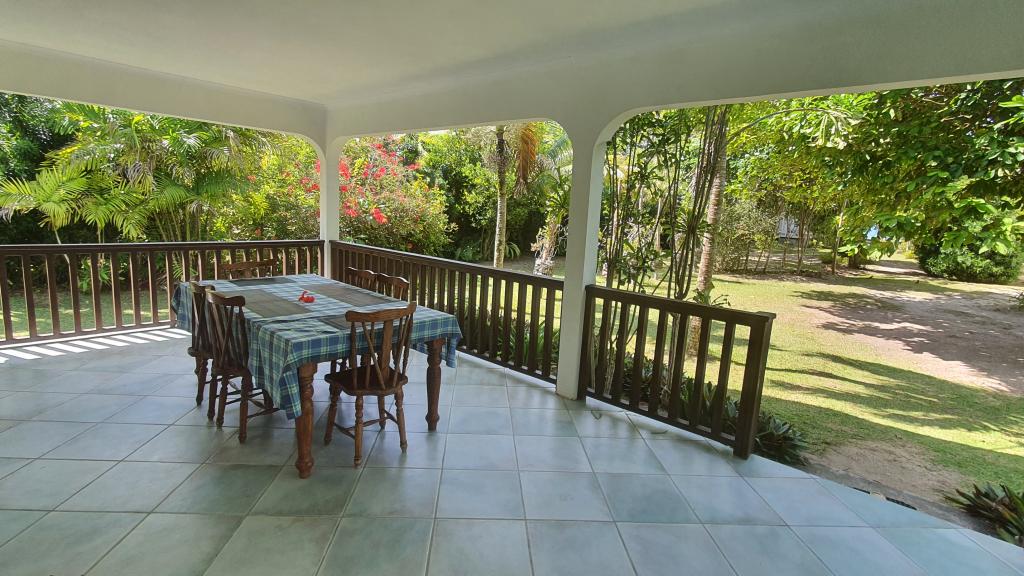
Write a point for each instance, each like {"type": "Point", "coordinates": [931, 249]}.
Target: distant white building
{"type": "Point", "coordinates": [789, 228]}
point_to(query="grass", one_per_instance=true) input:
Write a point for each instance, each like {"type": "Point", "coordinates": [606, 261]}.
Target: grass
{"type": "Point", "coordinates": [837, 390]}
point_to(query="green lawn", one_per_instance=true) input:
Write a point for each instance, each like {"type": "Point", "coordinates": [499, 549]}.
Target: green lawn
{"type": "Point", "coordinates": [835, 389]}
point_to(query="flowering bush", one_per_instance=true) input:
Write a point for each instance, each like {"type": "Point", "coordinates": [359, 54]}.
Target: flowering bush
{"type": "Point", "coordinates": [385, 203]}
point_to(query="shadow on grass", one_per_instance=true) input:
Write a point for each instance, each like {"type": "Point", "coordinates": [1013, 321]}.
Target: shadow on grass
{"type": "Point", "coordinates": [903, 395]}
{"type": "Point", "coordinates": [952, 326]}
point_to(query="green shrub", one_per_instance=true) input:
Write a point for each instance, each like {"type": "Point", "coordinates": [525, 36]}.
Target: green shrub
{"type": "Point", "coordinates": [1001, 507]}
{"type": "Point", "coordinates": [967, 265]}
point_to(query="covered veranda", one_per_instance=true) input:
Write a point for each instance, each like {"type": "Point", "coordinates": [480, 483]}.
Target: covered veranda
{"type": "Point", "coordinates": [588, 488]}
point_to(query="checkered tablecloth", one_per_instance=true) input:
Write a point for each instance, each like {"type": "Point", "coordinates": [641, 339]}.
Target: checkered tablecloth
{"type": "Point", "coordinates": [280, 344]}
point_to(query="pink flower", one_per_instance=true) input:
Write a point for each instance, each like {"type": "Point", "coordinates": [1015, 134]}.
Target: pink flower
{"type": "Point", "coordinates": [316, 166]}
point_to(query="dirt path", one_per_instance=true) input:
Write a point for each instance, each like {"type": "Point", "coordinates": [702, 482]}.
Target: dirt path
{"type": "Point", "coordinates": [964, 333]}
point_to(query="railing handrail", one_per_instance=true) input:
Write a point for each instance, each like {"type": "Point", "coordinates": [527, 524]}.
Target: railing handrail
{"type": "Point", "coordinates": [684, 307]}
{"type": "Point", "coordinates": [536, 279]}
{"type": "Point", "coordinates": [149, 246]}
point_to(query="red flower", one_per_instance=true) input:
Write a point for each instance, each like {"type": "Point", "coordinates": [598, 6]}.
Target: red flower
{"type": "Point", "coordinates": [413, 166]}
{"type": "Point", "coordinates": [380, 172]}
{"type": "Point", "coordinates": [344, 187]}
{"type": "Point", "coordinates": [350, 211]}
{"type": "Point", "coordinates": [304, 180]}
{"type": "Point", "coordinates": [251, 178]}
{"type": "Point", "coordinates": [379, 216]}
{"type": "Point", "coordinates": [316, 166]}
{"type": "Point", "coordinates": [366, 172]}
{"type": "Point", "coordinates": [315, 187]}
{"type": "Point", "coordinates": [343, 169]}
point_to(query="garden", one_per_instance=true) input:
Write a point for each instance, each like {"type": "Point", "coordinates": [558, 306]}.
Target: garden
{"type": "Point", "coordinates": [884, 229]}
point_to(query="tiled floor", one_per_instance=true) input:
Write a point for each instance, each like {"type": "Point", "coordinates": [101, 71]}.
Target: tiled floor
{"type": "Point", "coordinates": [107, 467]}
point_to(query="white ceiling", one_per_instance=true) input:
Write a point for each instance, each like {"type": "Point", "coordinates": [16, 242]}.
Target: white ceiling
{"type": "Point", "coordinates": [331, 51]}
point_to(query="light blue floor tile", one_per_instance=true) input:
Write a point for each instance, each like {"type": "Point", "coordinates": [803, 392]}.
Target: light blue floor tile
{"type": "Point", "coordinates": [480, 420]}
{"type": "Point", "coordinates": [169, 545]}
{"type": "Point", "coordinates": [182, 444]}
{"type": "Point", "coordinates": [531, 397]}
{"type": "Point", "coordinates": [12, 522]}
{"type": "Point", "coordinates": [472, 547]}
{"type": "Point", "coordinates": [33, 439]}
{"type": "Point", "coordinates": [474, 395]}
{"type": "Point", "coordinates": [220, 489]}
{"type": "Point", "coordinates": [857, 552]}
{"type": "Point", "coordinates": [425, 450]}
{"type": "Point", "coordinates": [325, 493]}
{"type": "Point", "coordinates": [130, 487]}
{"type": "Point", "coordinates": [601, 423]}
{"type": "Point", "coordinates": [759, 550]}
{"type": "Point", "coordinates": [88, 408]}
{"type": "Point", "coordinates": [551, 543]}
{"type": "Point", "coordinates": [404, 543]}
{"type": "Point", "coordinates": [480, 452]}
{"type": "Point", "coordinates": [106, 441]}
{"type": "Point", "coordinates": [804, 502]}
{"type": "Point", "coordinates": [267, 446]}
{"type": "Point", "coordinates": [9, 465]}
{"type": "Point", "coordinates": [44, 484]}
{"type": "Point", "coordinates": [275, 545]}
{"type": "Point", "coordinates": [725, 500]}
{"type": "Point", "coordinates": [540, 422]}
{"type": "Point", "coordinates": [645, 498]}
{"type": "Point", "coordinates": [622, 455]}
{"type": "Point", "coordinates": [881, 513]}
{"type": "Point", "coordinates": [65, 543]}
{"type": "Point", "coordinates": [386, 492]}
{"type": "Point", "coordinates": [1009, 553]}
{"type": "Point", "coordinates": [563, 496]}
{"type": "Point", "coordinates": [25, 405]}
{"type": "Point", "coordinates": [946, 552]}
{"type": "Point", "coordinates": [690, 458]}
{"type": "Point", "coordinates": [551, 453]}
{"type": "Point", "coordinates": [480, 494]}
{"type": "Point", "coordinates": [153, 410]}
{"type": "Point", "coordinates": [673, 550]}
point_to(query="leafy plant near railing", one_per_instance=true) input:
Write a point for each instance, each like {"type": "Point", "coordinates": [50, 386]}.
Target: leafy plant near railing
{"type": "Point", "coordinates": [1018, 301]}
{"type": "Point", "coordinates": [521, 340]}
{"type": "Point", "coordinates": [775, 439]}
{"type": "Point", "coordinates": [1001, 507]}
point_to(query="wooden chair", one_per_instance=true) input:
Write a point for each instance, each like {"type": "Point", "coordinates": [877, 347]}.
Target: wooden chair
{"type": "Point", "coordinates": [231, 360]}
{"type": "Point", "coordinates": [249, 269]}
{"type": "Point", "coordinates": [382, 372]}
{"type": "Point", "coordinates": [361, 278]}
{"type": "Point", "coordinates": [393, 286]}
{"type": "Point", "coordinates": [202, 345]}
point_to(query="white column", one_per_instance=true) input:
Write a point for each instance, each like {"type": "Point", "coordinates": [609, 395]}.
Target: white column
{"type": "Point", "coordinates": [581, 253]}
{"type": "Point", "coordinates": [330, 199]}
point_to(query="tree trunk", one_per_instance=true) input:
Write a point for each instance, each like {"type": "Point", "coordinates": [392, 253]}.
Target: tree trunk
{"type": "Point", "coordinates": [501, 212]}
{"type": "Point", "coordinates": [547, 245]}
{"type": "Point", "coordinates": [707, 250]}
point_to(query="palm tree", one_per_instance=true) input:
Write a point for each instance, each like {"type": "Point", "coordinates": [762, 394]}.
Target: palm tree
{"type": "Point", "coordinates": [556, 182]}
{"type": "Point", "coordinates": [517, 148]}
{"type": "Point", "coordinates": [56, 193]}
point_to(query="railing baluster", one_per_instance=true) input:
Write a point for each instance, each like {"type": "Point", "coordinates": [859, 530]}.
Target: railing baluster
{"type": "Point", "coordinates": [654, 392]}
{"type": "Point", "coordinates": [30, 300]}
{"type": "Point", "coordinates": [133, 265]}
{"type": "Point", "coordinates": [549, 330]}
{"type": "Point", "coordinates": [482, 317]}
{"type": "Point", "coordinates": [169, 285]}
{"type": "Point", "coordinates": [154, 306]}
{"type": "Point", "coordinates": [97, 290]}
{"type": "Point", "coordinates": [620, 351]}
{"type": "Point", "coordinates": [5, 300]}
{"type": "Point", "coordinates": [522, 337]}
{"type": "Point", "coordinates": [531, 358]}
{"type": "Point", "coordinates": [586, 375]}
{"type": "Point", "coordinates": [601, 370]}
{"type": "Point", "coordinates": [115, 283]}
{"type": "Point", "coordinates": [753, 381]}
{"type": "Point", "coordinates": [52, 295]}
{"type": "Point", "coordinates": [721, 390]}
{"type": "Point", "coordinates": [506, 328]}
{"type": "Point", "coordinates": [495, 339]}
{"type": "Point", "coordinates": [693, 412]}
{"type": "Point", "coordinates": [639, 355]}
{"type": "Point", "coordinates": [76, 297]}
{"type": "Point", "coordinates": [678, 361]}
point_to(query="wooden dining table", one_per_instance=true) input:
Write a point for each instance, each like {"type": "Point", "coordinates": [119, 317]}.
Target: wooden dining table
{"type": "Point", "coordinates": [288, 339]}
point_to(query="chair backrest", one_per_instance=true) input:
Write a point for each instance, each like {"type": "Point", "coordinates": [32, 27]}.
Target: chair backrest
{"type": "Point", "coordinates": [394, 286]}
{"type": "Point", "coordinates": [253, 269]}
{"type": "Point", "coordinates": [361, 278]}
{"type": "Point", "coordinates": [227, 328]}
{"type": "Point", "coordinates": [386, 333]}
{"type": "Point", "coordinates": [202, 340]}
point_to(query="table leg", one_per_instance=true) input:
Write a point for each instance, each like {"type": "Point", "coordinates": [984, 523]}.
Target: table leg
{"type": "Point", "coordinates": [304, 423]}
{"type": "Point", "coordinates": [433, 381]}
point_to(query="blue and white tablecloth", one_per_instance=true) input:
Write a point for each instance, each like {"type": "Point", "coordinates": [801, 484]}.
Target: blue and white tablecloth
{"type": "Point", "coordinates": [279, 345]}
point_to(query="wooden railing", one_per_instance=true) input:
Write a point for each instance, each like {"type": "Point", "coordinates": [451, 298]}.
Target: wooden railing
{"type": "Point", "coordinates": [638, 351]}
{"type": "Point", "coordinates": [510, 318]}
{"type": "Point", "coordinates": [56, 290]}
